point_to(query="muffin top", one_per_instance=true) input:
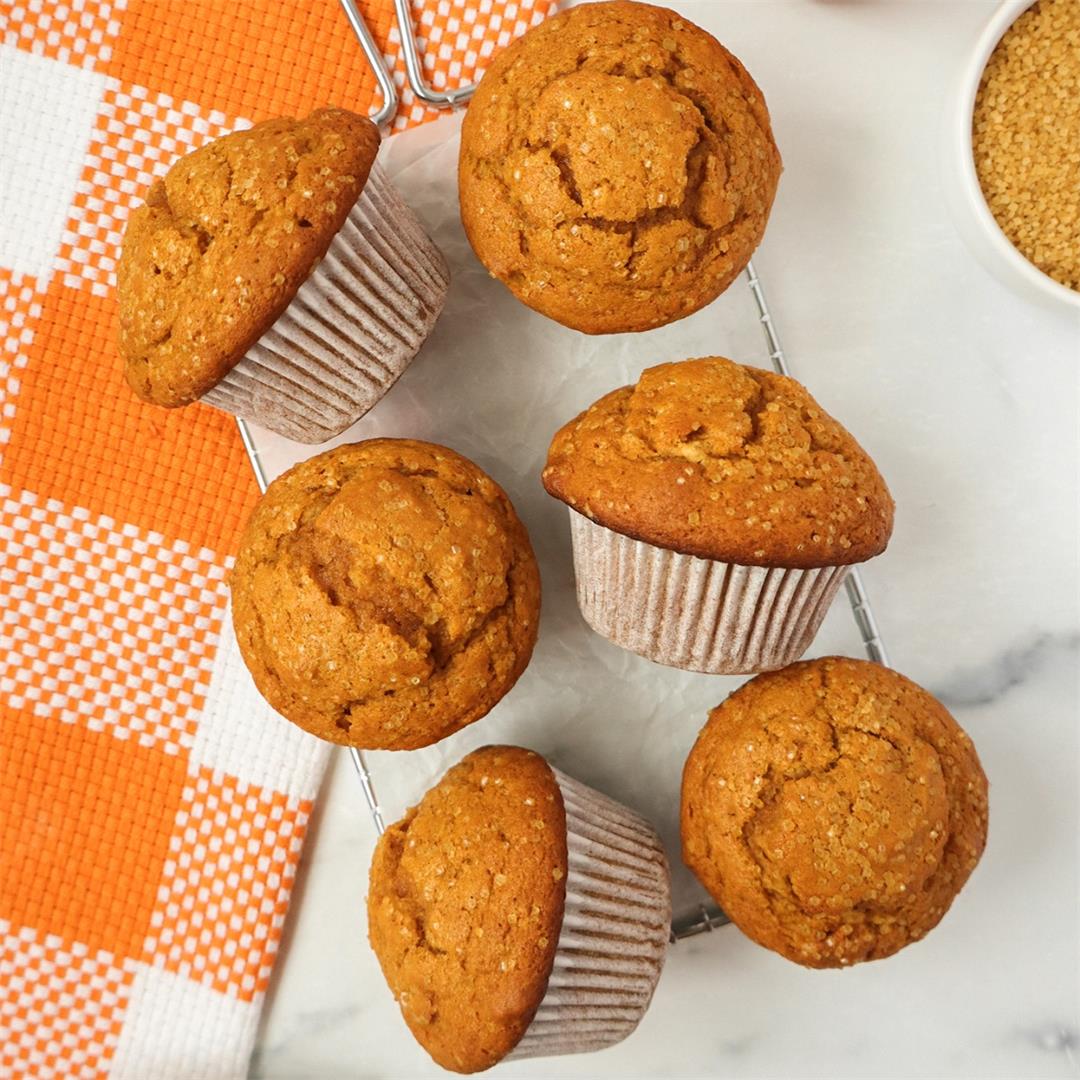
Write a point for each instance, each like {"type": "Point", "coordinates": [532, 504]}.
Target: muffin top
{"type": "Point", "coordinates": [385, 594]}
{"type": "Point", "coordinates": [617, 167]}
{"type": "Point", "coordinates": [465, 905]}
{"type": "Point", "coordinates": [834, 810]}
{"type": "Point", "coordinates": [225, 240]}
{"type": "Point", "coordinates": [714, 459]}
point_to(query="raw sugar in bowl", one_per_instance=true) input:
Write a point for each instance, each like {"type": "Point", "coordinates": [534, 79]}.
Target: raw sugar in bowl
{"type": "Point", "coordinates": [1012, 153]}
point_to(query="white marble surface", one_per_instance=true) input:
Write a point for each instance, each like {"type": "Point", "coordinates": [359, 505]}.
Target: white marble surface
{"type": "Point", "coordinates": [967, 397]}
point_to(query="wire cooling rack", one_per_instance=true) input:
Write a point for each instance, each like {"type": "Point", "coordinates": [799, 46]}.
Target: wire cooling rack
{"type": "Point", "coordinates": [704, 917]}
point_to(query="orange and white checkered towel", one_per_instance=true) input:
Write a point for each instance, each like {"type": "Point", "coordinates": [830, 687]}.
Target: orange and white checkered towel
{"type": "Point", "coordinates": [152, 807]}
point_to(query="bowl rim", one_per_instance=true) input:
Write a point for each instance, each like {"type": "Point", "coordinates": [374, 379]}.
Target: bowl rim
{"type": "Point", "coordinates": [1001, 20]}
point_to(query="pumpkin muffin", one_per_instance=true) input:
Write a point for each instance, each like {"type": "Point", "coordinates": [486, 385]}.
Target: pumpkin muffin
{"type": "Point", "coordinates": [257, 278]}
{"type": "Point", "coordinates": [385, 594]}
{"type": "Point", "coordinates": [617, 167]}
{"type": "Point", "coordinates": [485, 898]}
{"type": "Point", "coordinates": [715, 509]}
{"type": "Point", "coordinates": [834, 810]}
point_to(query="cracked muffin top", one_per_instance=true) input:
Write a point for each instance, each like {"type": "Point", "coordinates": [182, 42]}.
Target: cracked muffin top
{"type": "Point", "coordinates": [617, 167]}
{"type": "Point", "coordinates": [225, 240]}
{"type": "Point", "coordinates": [834, 809]}
{"type": "Point", "coordinates": [715, 459]}
{"type": "Point", "coordinates": [385, 594]}
{"type": "Point", "coordinates": [465, 904]}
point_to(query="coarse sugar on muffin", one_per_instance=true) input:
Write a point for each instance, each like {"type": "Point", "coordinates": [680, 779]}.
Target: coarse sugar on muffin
{"type": "Point", "coordinates": [385, 594]}
{"type": "Point", "coordinates": [275, 273]}
{"type": "Point", "coordinates": [723, 461]}
{"type": "Point", "coordinates": [465, 905]}
{"type": "Point", "coordinates": [834, 810]}
{"type": "Point", "coordinates": [617, 167]}
{"type": "Point", "coordinates": [517, 913]}
{"type": "Point", "coordinates": [715, 510]}
{"type": "Point", "coordinates": [225, 240]}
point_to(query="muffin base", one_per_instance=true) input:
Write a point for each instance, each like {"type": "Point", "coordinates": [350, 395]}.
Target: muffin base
{"type": "Point", "coordinates": [352, 328]}
{"type": "Point", "coordinates": [615, 930]}
{"type": "Point", "coordinates": [697, 614]}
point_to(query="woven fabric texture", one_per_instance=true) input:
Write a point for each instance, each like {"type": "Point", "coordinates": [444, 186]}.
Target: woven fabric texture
{"type": "Point", "coordinates": [152, 807]}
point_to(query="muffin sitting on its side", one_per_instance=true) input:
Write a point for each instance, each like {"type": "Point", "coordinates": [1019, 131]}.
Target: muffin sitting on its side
{"type": "Point", "coordinates": [834, 810]}
{"type": "Point", "coordinates": [276, 274]}
{"type": "Point", "coordinates": [385, 594]}
{"type": "Point", "coordinates": [617, 167]}
{"type": "Point", "coordinates": [518, 913]}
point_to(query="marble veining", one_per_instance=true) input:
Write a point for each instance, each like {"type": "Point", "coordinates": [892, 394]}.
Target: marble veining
{"type": "Point", "coordinates": [986, 683]}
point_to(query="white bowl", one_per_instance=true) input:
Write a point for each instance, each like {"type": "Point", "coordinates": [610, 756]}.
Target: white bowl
{"type": "Point", "coordinates": [972, 216]}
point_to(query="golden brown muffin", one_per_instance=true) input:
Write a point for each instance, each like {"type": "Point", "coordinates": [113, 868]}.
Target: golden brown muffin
{"type": "Point", "coordinates": [834, 809]}
{"type": "Point", "coordinates": [385, 594]}
{"type": "Point", "coordinates": [711, 458]}
{"type": "Point", "coordinates": [617, 167]}
{"type": "Point", "coordinates": [224, 242]}
{"type": "Point", "coordinates": [465, 905]}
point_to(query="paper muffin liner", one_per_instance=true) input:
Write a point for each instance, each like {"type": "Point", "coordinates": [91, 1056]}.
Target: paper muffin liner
{"type": "Point", "coordinates": [615, 928]}
{"type": "Point", "coordinates": [697, 614]}
{"type": "Point", "coordinates": [350, 331]}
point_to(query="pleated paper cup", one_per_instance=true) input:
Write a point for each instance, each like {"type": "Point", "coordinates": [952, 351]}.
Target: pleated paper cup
{"type": "Point", "coordinates": [615, 930]}
{"type": "Point", "coordinates": [697, 614]}
{"type": "Point", "coordinates": [352, 328]}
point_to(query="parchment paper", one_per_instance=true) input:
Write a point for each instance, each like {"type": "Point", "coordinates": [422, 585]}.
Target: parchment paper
{"type": "Point", "coordinates": [494, 382]}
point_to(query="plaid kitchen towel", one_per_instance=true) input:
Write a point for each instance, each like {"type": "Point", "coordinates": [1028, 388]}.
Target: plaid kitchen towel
{"type": "Point", "coordinates": [152, 808]}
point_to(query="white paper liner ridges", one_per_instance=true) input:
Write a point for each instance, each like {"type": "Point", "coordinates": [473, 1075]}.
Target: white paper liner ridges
{"type": "Point", "coordinates": [615, 928]}
{"type": "Point", "coordinates": [350, 331]}
{"type": "Point", "coordinates": [697, 614]}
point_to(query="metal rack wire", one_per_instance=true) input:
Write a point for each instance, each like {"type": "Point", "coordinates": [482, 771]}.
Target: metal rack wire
{"type": "Point", "coordinates": [705, 917]}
